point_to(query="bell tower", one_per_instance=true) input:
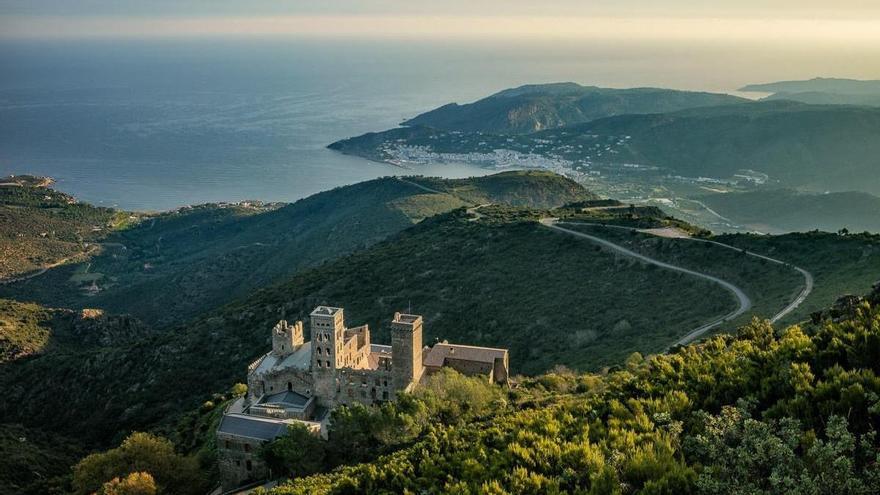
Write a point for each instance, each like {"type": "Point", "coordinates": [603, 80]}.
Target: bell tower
{"type": "Point", "coordinates": [406, 350]}
{"type": "Point", "coordinates": [327, 327]}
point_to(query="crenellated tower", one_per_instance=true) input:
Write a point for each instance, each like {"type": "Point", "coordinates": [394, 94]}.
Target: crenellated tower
{"type": "Point", "coordinates": [286, 338]}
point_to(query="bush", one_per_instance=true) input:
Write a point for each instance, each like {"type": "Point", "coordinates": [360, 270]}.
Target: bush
{"type": "Point", "coordinates": [139, 453]}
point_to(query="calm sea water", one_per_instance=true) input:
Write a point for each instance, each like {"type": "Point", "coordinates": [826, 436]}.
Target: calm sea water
{"type": "Point", "coordinates": [155, 125]}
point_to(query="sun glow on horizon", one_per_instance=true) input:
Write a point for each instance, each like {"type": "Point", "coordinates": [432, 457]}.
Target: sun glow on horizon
{"type": "Point", "coordinates": [450, 27]}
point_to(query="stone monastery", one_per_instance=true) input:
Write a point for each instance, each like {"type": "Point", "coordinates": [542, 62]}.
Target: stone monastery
{"type": "Point", "coordinates": [301, 382]}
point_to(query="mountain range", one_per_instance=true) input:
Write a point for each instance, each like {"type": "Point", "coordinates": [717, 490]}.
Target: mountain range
{"type": "Point", "coordinates": [78, 380]}
{"type": "Point", "coordinates": [538, 107]}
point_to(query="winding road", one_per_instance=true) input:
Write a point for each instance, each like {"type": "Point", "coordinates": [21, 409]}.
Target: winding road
{"type": "Point", "coordinates": [744, 302]}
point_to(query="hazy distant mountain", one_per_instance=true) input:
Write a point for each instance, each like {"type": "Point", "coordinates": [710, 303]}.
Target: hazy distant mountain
{"type": "Point", "coordinates": [823, 147]}
{"type": "Point", "coordinates": [785, 210]}
{"type": "Point", "coordinates": [822, 91]}
{"type": "Point", "coordinates": [537, 107]}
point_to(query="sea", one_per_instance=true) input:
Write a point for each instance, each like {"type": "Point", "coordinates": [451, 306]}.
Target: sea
{"type": "Point", "coordinates": [158, 124]}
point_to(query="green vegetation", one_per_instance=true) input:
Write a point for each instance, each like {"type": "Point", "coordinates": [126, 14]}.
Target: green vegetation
{"type": "Point", "coordinates": [360, 434]}
{"type": "Point", "coordinates": [768, 411]}
{"type": "Point", "coordinates": [150, 459]}
{"type": "Point", "coordinates": [785, 210]}
{"type": "Point", "coordinates": [821, 147]}
{"type": "Point", "coordinates": [35, 461]}
{"type": "Point", "coordinates": [498, 280]}
{"type": "Point", "coordinates": [770, 286]}
{"type": "Point", "coordinates": [182, 263]}
{"type": "Point", "coordinates": [546, 106]}
{"type": "Point", "coordinates": [41, 227]}
{"type": "Point", "coordinates": [841, 264]}
{"type": "Point", "coordinates": [28, 329]}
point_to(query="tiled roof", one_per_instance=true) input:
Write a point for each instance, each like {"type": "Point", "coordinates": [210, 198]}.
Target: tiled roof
{"type": "Point", "coordinates": [440, 352]}
{"type": "Point", "coordinates": [252, 427]}
{"type": "Point", "coordinates": [325, 311]}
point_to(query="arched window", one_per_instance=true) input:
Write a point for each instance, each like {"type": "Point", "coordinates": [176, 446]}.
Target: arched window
{"type": "Point", "coordinates": [289, 386]}
{"type": "Point", "coordinates": [327, 350]}
{"type": "Point", "coordinates": [328, 364]}
{"type": "Point", "coordinates": [319, 350]}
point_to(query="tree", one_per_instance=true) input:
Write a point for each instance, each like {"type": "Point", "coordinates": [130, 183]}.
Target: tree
{"type": "Point", "coordinates": [298, 452]}
{"type": "Point", "coordinates": [140, 452]}
{"type": "Point", "coordinates": [139, 483]}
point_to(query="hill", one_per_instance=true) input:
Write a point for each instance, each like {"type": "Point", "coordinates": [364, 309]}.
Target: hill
{"type": "Point", "coordinates": [787, 144]}
{"type": "Point", "coordinates": [822, 147]}
{"type": "Point", "coordinates": [772, 410]}
{"type": "Point", "coordinates": [538, 107]}
{"type": "Point", "coordinates": [172, 266]}
{"type": "Point", "coordinates": [42, 227]}
{"type": "Point", "coordinates": [822, 91]}
{"type": "Point", "coordinates": [786, 210]}
{"type": "Point", "coordinates": [28, 329]}
{"type": "Point", "coordinates": [500, 280]}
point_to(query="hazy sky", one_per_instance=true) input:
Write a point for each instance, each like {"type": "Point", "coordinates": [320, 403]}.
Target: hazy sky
{"type": "Point", "coordinates": [823, 21]}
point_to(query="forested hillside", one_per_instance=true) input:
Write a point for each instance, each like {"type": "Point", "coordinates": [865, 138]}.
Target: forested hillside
{"type": "Point", "coordinates": [40, 226]}
{"type": "Point", "coordinates": [771, 410]}
{"type": "Point", "coordinates": [824, 147]}
{"type": "Point", "coordinates": [178, 264]}
{"type": "Point", "coordinates": [493, 276]}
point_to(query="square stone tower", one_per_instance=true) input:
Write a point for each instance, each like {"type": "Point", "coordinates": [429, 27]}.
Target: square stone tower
{"type": "Point", "coordinates": [286, 338]}
{"type": "Point", "coordinates": [328, 336]}
{"type": "Point", "coordinates": [406, 350]}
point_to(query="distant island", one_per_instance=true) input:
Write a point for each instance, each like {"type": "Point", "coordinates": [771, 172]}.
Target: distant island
{"type": "Point", "coordinates": [821, 90]}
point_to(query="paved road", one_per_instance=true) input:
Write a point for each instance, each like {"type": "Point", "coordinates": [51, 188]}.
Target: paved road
{"type": "Point", "coordinates": [743, 300]}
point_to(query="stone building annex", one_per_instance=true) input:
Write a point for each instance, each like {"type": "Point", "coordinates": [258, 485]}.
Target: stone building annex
{"type": "Point", "coordinates": [301, 382]}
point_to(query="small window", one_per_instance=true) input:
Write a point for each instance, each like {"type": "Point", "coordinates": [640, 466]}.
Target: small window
{"type": "Point", "coordinates": [247, 448]}
{"type": "Point", "coordinates": [238, 463]}
{"type": "Point", "coordinates": [249, 465]}
{"type": "Point", "coordinates": [319, 364]}
{"type": "Point", "coordinates": [289, 386]}
{"type": "Point", "coordinates": [328, 363]}
{"type": "Point", "coordinates": [384, 383]}
{"type": "Point", "coordinates": [385, 395]}
{"type": "Point", "coordinates": [319, 350]}
{"type": "Point", "coordinates": [327, 350]}
{"type": "Point", "coordinates": [227, 444]}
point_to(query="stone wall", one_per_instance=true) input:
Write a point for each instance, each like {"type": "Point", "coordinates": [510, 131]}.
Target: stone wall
{"type": "Point", "coordinates": [238, 461]}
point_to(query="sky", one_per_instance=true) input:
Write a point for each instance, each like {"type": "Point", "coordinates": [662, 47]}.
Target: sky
{"type": "Point", "coordinates": [818, 21]}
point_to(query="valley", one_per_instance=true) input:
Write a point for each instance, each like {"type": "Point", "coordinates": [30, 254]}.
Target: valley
{"type": "Point", "coordinates": [471, 255]}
